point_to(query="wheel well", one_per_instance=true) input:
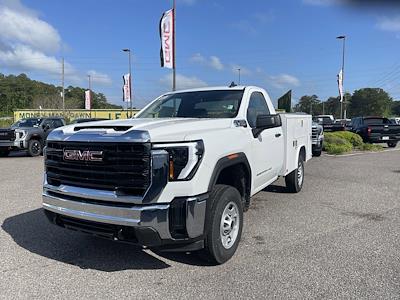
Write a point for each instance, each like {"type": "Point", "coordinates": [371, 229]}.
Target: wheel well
{"type": "Point", "coordinates": [302, 153]}
{"type": "Point", "coordinates": [35, 137]}
{"type": "Point", "coordinates": [238, 177]}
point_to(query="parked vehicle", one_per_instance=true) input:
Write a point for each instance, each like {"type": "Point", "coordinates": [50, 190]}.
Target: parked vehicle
{"type": "Point", "coordinates": [178, 176]}
{"type": "Point", "coordinates": [344, 123]}
{"type": "Point", "coordinates": [28, 134]}
{"type": "Point", "coordinates": [7, 140]}
{"type": "Point", "coordinates": [328, 123]}
{"type": "Point", "coordinates": [395, 121]}
{"type": "Point", "coordinates": [85, 120]}
{"type": "Point", "coordinates": [317, 139]}
{"type": "Point", "coordinates": [377, 130]}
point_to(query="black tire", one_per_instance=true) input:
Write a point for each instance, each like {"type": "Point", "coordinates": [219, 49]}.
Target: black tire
{"type": "Point", "coordinates": [35, 148]}
{"type": "Point", "coordinates": [293, 182]}
{"type": "Point", "coordinates": [4, 152]}
{"type": "Point", "coordinates": [392, 144]}
{"type": "Point", "coordinates": [222, 197]}
{"type": "Point", "coordinates": [317, 152]}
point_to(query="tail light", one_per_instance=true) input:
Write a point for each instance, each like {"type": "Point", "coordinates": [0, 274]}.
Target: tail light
{"type": "Point", "coordinates": [369, 131]}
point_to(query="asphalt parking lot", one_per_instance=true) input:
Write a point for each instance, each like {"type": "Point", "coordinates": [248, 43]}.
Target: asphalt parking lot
{"type": "Point", "coordinates": [338, 238]}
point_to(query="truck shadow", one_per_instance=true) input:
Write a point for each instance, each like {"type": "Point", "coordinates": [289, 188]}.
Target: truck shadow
{"type": "Point", "coordinates": [276, 189]}
{"type": "Point", "coordinates": [33, 232]}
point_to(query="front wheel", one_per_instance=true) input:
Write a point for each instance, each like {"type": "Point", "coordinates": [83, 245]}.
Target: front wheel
{"type": "Point", "coordinates": [392, 144]}
{"type": "Point", "coordinates": [224, 222]}
{"type": "Point", "coordinates": [4, 152]}
{"type": "Point", "coordinates": [34, 148]}
{"type": "Point", "coordinates": [294, 180]}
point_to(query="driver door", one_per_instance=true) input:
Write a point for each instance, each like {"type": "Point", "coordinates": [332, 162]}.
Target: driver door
{"type": "Point", "coordinates": [267, 147]}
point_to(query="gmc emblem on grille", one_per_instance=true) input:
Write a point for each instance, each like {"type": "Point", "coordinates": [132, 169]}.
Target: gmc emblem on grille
{"type": "Point", "coordinates": [86, 155]}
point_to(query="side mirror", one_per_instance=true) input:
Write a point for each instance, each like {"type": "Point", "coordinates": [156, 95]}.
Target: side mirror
{"type": "Point", "coordinates": [266, 121]}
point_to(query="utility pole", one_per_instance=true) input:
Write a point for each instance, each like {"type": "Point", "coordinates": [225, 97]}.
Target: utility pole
{"type": "Point", "coordinates": [342, 37]}
{"type": "Point", "coordinates": [174, 45]}
{"type": "Point", "coordinates": [239, 76]}
{"type": "Point", "coordinates": [62, 84]}
{"type": "Point", "coordinates": [323, 107]}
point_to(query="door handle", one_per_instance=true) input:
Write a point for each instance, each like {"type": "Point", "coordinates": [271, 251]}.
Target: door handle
{"type": "Point", "coordinates": [277, 135]}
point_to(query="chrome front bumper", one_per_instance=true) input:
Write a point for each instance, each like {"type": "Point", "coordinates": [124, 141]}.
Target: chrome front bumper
{"type": "Point", "coordinates": [157, 217]}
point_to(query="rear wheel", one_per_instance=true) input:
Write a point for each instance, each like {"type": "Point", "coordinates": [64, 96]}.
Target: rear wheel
{"type": "Point", "coordinates": [392, 144]}
{"type": "Point", "coordinates": [294, 180]}
{"type": "Point", "coordinates": [224, 222]}
{"type": "Point", "coordinates": [4, 152]}
{"type": "Point", "coordinates": [34, 148]}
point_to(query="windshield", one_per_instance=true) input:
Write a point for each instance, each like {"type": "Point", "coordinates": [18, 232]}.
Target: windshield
{"type": "Point", "coordinates": [376, 121]}
{"type": "Point", "coordinates": [27, 123]}
{"type": "Point", "coordinates": [201, 104]}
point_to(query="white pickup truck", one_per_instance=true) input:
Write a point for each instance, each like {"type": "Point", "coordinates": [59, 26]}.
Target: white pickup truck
{"type": "Point", "coordinates": [179, 175]}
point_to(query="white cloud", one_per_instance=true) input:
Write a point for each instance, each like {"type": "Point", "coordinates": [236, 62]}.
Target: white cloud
{"type": "Point", "coordinates": [183, 82]}
{"type": "Point", "coordinates": [28, 43]}
{"type": "Point", "coordinates": [99, 78]}
{"type": "Point", "coordinates": [389, 24]}
{"type": "Point", "coordinates": [216, 63]}
{"type": "Point", "coordinates": [24, 27]}
{"type": "Point", "coordinates": [283, 81]}
{"type": "Point", "coordinates": [198, 58]}
{"type": "Point", "coordinates": [212, 62]}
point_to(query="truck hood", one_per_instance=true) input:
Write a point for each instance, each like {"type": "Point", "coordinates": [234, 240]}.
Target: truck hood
{"type": "Point", "coordinates": [160, 130]}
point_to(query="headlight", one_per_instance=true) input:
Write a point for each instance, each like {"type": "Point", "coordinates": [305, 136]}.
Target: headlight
{"type": "Point", "coordinates": [21, 134]}
{"type": "Point", "coordinates": [184, 158]}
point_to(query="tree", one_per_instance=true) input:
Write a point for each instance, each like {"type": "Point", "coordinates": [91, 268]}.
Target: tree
{"type": "Point", "coordinates": [309, 104]}
{"type": "Point", "coordinates": [370, 101]}
{"type": "Point", "coordinates": [20, 92]}
{"type": "Point", "coordinates": [396, 108]}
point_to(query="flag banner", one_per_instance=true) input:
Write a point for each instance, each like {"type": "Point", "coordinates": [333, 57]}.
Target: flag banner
{"type": "Point", "coordinates": [340, 84]}
{"type": "Point", "coordinates": [167, 39]}
{"type": "Point", "coordinates": [88, 99]}
{"type": "Point", "coordinates": [126, 90]}
{"type": "Point", "coordinates": [285, 102]}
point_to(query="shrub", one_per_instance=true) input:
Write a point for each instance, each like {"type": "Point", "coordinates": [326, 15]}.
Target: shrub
{"type": "Point", "coordinates": [338, 148]}
{"type": "Point", "coordinates": [335, 144]}
{"type": "Point", "coordinates": [370, 147]}
{"type": "Point", "coordinates": [351, 137]}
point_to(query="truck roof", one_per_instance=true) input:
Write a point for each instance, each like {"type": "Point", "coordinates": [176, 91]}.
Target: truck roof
{"type": "Point", "coordinates": [214, 88]}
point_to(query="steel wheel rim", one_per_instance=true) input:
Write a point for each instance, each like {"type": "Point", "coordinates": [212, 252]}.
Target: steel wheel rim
{"type": "Point", "coordinates": [230, 222]}
{"type": "Point", "coordinates": [300, 174]}
{"type": "Point", "coordinates": [35, 147]}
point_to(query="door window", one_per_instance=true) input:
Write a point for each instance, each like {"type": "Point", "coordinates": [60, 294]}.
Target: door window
{"type": "Point", "coordinates": [257, 106]}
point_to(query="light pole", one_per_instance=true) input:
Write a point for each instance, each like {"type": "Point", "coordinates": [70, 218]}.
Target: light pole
{"type": "Point", "coordinates": [342, 37]}
{"type": "Point", "coordinates": [239, 75]}
{"type": "Point", "coordinates": [130, 78]}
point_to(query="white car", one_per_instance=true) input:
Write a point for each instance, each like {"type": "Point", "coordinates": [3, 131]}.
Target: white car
{"type": "Point", "coordinates": [180, 174]}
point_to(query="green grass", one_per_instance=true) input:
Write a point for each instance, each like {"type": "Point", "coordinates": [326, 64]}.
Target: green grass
{"type": "Point", "coordinates": [341, 142]}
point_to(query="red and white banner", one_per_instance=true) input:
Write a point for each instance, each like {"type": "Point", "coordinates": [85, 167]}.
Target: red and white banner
{"type": "Point", "coordinates": [340, 84]}
{"type": "Point", "coordinates": [88, 99]}
{"type": "Point", "coordinates": [167, 36]}
{"type": "Point", "coordinates": [126, 89]}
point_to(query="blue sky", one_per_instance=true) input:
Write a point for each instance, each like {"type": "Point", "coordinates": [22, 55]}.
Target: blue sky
{"type": "Point", "coordinates": [278, 45]}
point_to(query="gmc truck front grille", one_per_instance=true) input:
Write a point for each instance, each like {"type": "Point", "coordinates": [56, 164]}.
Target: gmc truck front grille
{"type": "Point", "coordinates": [7, 135]}
{"type": "Point", "coordinates": [120, 167]}
{"type": "Point", "coordinates": [314, 133]}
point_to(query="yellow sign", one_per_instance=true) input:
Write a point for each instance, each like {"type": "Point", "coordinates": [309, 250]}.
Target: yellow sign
{"type": "Point", "coordinates": [72, 114]}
